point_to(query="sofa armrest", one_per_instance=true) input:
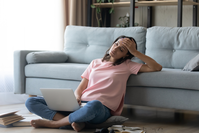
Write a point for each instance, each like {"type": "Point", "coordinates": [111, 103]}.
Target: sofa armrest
{"type": "Point", "coordinates": [19, 73]}
{"type": "Point", "coordinates": [46, 57]}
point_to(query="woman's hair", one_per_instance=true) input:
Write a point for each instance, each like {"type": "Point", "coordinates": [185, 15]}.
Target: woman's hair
{"type": "Point", "coordinates": [121, 60]}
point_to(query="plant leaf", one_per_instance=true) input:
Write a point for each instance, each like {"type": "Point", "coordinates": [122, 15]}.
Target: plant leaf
{"type": "Point", "coordinates": [98, 23]}
{"type": "Point", "coordinates": [111, 10]}
{"type": "Point", "coordinates": [92, 6]}
{"type": "Point", "coordinates": [98, 1]}
{"type": "Point", "coordinates": [109, 1]}
{"type": "Point", "coordinates": [98, 10]}
{"type": "Point", "coordinates": [102, 1]}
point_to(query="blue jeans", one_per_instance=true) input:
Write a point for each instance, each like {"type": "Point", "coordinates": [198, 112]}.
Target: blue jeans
{"type": "Point", "coordinates": [93, 112]}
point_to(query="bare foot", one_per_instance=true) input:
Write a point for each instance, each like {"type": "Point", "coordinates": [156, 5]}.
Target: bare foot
{"type": "Point", "coordinates": [43, 123]}
{"type": "Point", "coordinates": [78, 126]}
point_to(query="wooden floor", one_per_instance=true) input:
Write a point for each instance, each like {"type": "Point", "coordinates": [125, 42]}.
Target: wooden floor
{"type": "Point", "coordinates": [150, 120]}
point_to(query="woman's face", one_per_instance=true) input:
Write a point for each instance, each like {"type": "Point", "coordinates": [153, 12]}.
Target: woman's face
{"type": "Point", "coordinates": [118, 50]}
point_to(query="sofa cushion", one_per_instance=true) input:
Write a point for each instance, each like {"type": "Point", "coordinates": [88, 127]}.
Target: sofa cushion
{"type": "Point", "coordinates": [93, 42]}
{"type": "Point", "coordinates": [172, 47]}
{"type": "Point", "coordinates": [167, 78]}
{"type": "Point", "coordinates": [46, 57]}
{"type": "Point", "coordinates": [70, 71]}
{"type": "Point", "coordinates": [192, 65]}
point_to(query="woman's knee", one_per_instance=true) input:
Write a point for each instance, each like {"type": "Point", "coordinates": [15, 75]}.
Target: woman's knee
{"type": "Point", "coordinates": [95, 104]}
{"type": "Point", "coordinates": [99, 111]}
{"type": "Point", "coordinates": [30, 103]}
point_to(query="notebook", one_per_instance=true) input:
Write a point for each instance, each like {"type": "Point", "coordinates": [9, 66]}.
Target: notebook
{"type": "Point", "coordinates": [60, 99]}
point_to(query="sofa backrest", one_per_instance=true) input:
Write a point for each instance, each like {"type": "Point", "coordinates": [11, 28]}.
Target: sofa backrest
{"type": "Point", "coordinates": [172, 47]}
{"type": "Point", "coordinates": [83, 44]}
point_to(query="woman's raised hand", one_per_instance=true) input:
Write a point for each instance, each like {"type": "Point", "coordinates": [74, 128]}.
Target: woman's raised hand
{"type": "Point", "coordinates": [129, 44]}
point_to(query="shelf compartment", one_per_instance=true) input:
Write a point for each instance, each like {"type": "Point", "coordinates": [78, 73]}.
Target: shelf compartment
{"type": "Point", "coordinates": [144, 3]}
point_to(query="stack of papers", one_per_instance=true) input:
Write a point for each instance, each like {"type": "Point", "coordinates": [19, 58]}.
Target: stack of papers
{"type": "Point", "coordinates": [124, 129]}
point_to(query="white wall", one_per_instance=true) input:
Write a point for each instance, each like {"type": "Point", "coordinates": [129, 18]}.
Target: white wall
{"type": "Point", "coordinates": [167, 16]}
{"type": "Point", "coordinates": [27, 25]}
{"type": "Point", "coordinates": [32, 24]}
{"type": "Point", "coordinates": [162, 15]}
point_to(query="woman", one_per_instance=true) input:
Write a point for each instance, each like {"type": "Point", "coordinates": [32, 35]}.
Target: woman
{"type": "Point", "coordinates": [103, 87]}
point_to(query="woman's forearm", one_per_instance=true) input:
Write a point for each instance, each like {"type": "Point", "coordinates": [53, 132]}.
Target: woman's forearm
{"type": "Point", "coordinates": [151, 63]}
{"type": "Point", "coordinates": [78, 93]}
{"type": "Point", "coordinates": [82, 86]}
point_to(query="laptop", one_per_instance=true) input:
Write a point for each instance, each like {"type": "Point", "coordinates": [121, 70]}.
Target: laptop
{"type": "Point", "coordinates": [60, 99]}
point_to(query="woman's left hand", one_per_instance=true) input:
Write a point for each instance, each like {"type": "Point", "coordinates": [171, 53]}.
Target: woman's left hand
{"type": "Point", "coordinates": [79, 101]}
{"type": "Point", "coordinates": [129, 44]}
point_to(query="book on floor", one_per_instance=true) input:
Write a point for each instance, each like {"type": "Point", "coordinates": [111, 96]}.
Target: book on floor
{"type": "Point", "coordinates": [9, 118]}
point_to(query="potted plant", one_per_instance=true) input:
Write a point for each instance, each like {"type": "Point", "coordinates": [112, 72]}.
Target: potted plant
{"type": "Point", "coordinates": [99, 10]}
{"type": "Point", "coordinates": [125, 21]}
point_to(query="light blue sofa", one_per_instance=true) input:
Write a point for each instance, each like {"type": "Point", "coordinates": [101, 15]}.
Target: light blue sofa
{"type": "Point", "coordinates": [171, 47]}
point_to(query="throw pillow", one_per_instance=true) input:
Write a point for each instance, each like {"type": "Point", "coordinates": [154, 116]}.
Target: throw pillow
{"type": "Point", "coordinates": [192, 65]}
{"type": "Point", "coordinates": [113, 120]}
{"type": "Point", "coordinates": [46, 57]}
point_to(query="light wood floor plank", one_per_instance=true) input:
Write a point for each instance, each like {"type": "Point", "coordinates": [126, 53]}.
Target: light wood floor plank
{"type": "Point", "coordinates": [152, 121]}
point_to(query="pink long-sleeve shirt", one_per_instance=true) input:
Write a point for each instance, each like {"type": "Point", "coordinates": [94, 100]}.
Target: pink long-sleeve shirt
{"type": "Point", "coordinates": [107, 83]}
